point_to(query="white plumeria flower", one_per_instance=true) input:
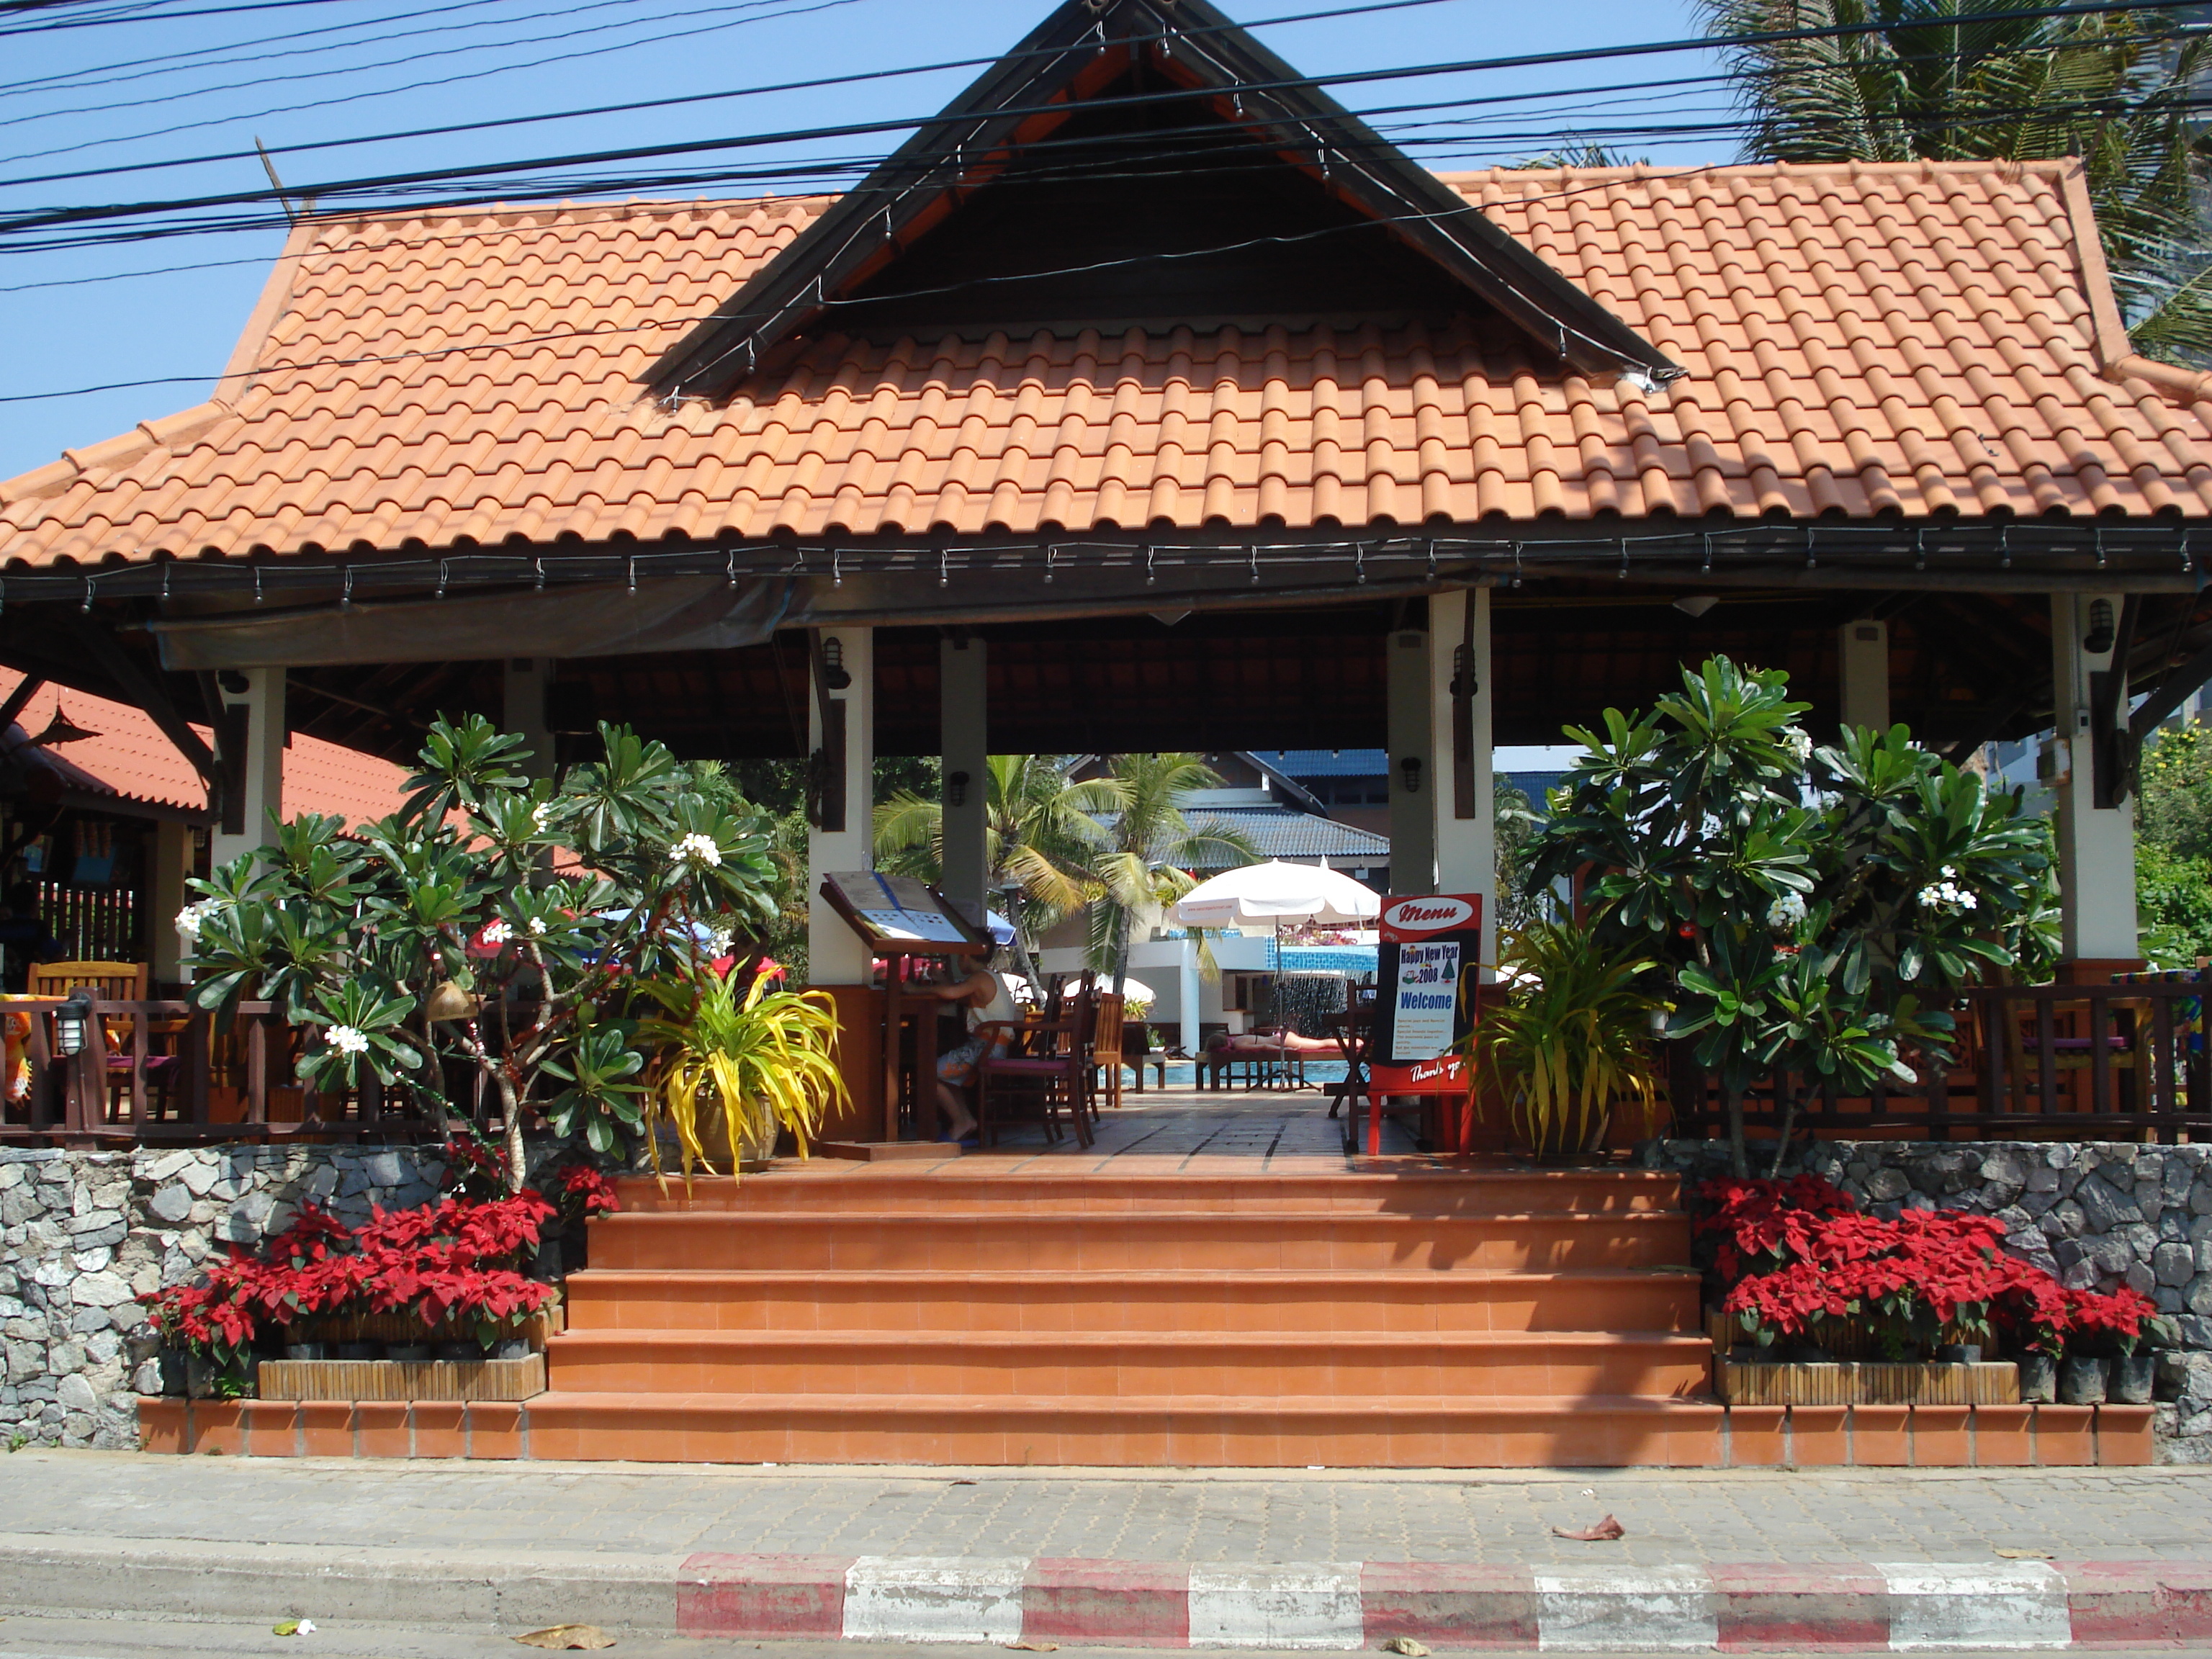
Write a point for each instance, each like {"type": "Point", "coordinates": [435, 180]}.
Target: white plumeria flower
{"type": "Point", "coordinates": [193, 917]}
{"type": "Point", "coordinates": [1797, 742]}
{"type": "Point", "coordinates": [496, 933]}
{"type": "Point", "coordinates": [1785, 912]}
{"type": "Point", "coordinates": [346, 1039]}
{"type": "Point", "coordinates": [537, 927]}
{"type": "Point", "coordinates": [541, 814]}
{"type": "Point", "coordinates": [1947, 896]}
{"type": "Point", "coordinates": [699, 851]}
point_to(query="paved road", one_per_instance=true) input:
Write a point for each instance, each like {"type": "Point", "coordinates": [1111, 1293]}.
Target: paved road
{"type": "Point", "coordinates": [1689, 1517]}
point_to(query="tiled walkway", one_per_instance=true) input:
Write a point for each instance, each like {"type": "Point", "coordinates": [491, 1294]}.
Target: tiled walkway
{"type": "Point", "coordinates": [1182, 1129]}
{"type": "Point", "coordinates": [1888, 1515]}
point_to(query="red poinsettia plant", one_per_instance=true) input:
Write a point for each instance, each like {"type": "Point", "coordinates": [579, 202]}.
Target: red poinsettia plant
{"type": "Point", "coordinates": [451, 1263]}
{"type": "Point", "coordinates": [1799, 1255]}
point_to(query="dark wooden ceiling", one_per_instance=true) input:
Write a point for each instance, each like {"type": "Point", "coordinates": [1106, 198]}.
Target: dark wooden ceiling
{"type": "Point", "coordinates": [1964, 668]}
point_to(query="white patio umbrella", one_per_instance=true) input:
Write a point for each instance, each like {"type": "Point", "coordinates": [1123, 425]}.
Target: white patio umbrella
{"type": "Point", "coordinates": [1276, 892]}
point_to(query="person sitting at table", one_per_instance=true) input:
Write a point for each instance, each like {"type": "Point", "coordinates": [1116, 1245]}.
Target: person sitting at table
{"type": "Point", "coordinates": [983, 995]}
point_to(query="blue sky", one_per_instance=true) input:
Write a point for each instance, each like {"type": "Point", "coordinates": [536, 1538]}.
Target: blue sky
{"type": "Point", "coordinates": [86, 316]}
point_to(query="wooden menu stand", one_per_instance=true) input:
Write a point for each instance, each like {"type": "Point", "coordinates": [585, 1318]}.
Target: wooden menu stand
{"type": "Point", "coordinates": [901, 921]}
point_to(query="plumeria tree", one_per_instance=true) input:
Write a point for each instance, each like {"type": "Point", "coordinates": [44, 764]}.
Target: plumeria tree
{"type": "Point", "coordinates": [495, 925]}
{"type": "Point", "coordinates": [1807, 911]}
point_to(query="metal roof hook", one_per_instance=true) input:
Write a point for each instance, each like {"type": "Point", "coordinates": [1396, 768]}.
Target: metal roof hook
{"type": "Point", "coordinates": [2100, 546]}
{"type": "Point", "coordinates": [1702, 569]}
{"type": "Point", "coordinates": [1150, 575]}
{"type": "Point", "coordinates": [1050, 553]}
{"type": "Point", "coordinates": [1623, 558]}
{"type": "Point", "coordinates": [1252, 557]}
{"type": "Point", "coordinates": [166, 568]}
{"type": "Point", "coordinates": [1810, 561]}
{"type": "Point", "coordinates": [630, 565]}
{"type": "Point", "coordinates": [1516, 564]}
{"type": "Point", "coordinates": [2004, 547]}
{"type": "Point", "coordinates": [733, 566]}
{"type": "Point", "coordinates": [538, 565]}
{"type": "Point", "coordinates": [256, 584]}
{"type": "Point", "coordinates": [1359, 561]}
{"type": "Point", "coordinates": [943, 557]}
{"type": "Point", "coordinates": [345, 592]}
{"type": "Point", "coordinates": [837, 567]}
{"type": "Point", "coordinates": [2188, 562]}
{"type": "Point", "coordinates": [1432, 561]}
{"type": "Point", "coordinates": [442, 576]}
{"type": "Point", "coordinates": [88, 582]}
{"type": "Point", "coordinates": [1920, 548]}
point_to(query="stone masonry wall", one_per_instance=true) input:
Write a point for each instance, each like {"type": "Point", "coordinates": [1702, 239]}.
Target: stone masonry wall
{"type": "Point", "coordinates": [2097, 1214]}
{"type": "Point", "coordinates": [83, 1235]}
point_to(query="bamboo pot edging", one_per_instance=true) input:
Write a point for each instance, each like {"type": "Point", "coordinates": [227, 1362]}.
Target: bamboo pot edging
{"type": "Point", "coordinates": [1858, 1383]}
{"type": "Point", "coordinates": [403, 1379]}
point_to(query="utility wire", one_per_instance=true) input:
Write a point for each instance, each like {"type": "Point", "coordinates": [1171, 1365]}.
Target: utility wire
{"type": "Point", "coordinates": [637, 106]}
{"type": "Point", "coordinates": [498, 45]}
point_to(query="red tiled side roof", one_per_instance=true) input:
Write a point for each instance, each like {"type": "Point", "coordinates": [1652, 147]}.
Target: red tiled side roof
{"type": "Point", "coordinates": [1913, 339]}
{"type": "Point", "coordinates": [130, 759]}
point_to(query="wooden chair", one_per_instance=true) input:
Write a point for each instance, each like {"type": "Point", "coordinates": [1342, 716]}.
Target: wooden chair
{"type": "Point", "coordinates": [1048, 1062]}
{"type": "Point", "coordinates": [1106, 1047]}
{"type": "Point", "coordinates": [113, 982]}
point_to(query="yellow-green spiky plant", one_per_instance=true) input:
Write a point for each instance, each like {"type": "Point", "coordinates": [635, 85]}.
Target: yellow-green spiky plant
{"type": "Point", "coordinates": [766, 1062]}
{"type": "Point", "coordinates": [1573, 1039]}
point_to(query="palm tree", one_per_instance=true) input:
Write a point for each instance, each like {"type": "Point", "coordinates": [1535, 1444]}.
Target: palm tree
{"type": "Point", "coordinates": [1145, 866]}
{"type": "Point", "coordinates": [1040, 834]}
{"type": "Point", "coordinates": [2114, 88]}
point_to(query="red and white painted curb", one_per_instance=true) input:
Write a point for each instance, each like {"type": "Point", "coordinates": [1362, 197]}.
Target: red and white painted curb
{"type": "Point", "coordinates": [1344, 1606]}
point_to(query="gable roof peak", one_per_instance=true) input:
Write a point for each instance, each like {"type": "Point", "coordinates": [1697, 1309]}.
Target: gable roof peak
{"type": "Point", "coordinates": [1100, 61]}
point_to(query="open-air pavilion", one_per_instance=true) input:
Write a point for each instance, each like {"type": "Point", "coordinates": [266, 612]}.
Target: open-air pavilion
{"type": "Point", "coordinates": [1146, 399]}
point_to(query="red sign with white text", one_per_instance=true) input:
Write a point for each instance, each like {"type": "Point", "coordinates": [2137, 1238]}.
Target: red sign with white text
{"type": "Point", "coordinates": [1426, 968]}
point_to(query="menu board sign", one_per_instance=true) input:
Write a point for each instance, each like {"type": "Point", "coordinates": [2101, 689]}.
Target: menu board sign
{"type": "Point", "coordinates": [891, 912]}
{"type": "Point", "coordinates": [1431, 948]}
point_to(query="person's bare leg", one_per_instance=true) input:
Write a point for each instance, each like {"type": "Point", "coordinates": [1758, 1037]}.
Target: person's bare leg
{"type": "Point", "coordinates": [952, 1105]}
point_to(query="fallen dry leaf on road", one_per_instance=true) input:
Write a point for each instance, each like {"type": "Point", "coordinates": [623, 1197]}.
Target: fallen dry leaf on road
{"type": "Point", "coordinates": [1031, 1647]}
{"type": "Point", "coordinates": [1604, 1532]}
{"type": "Point", "coordinates": [1407, 1645]}
{"type": "Point", "coordinates": [2025, 1555]}
{"type": "Point", "coordinates": [568, 1637]}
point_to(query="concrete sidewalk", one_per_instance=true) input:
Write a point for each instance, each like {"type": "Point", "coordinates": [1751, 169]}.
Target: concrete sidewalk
{"type": "Point", "coordinates": [1327, 1559]}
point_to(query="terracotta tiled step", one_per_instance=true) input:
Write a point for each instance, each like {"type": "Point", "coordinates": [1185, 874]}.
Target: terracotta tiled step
{"type": "Point", "coordinates": [1385, 1431]}
{"type": "Point", "coordinates": [964, 1242]}
{"type": "Point", "coordinates": [1028, 1365]}
{"type": "Point", "coordinates": [1405, 1299]}
{"type": "Point", "coordinates": [830, 1186]}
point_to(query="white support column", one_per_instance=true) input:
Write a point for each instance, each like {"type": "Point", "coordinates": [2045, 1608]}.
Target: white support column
{"type": "Point", "coordinates": [2096, 845]}
{"type": "Point", "coordinates": [1189, 990]}
{"type": "Point", "coordinates": [962, 698]}
{"type": "Point", "coordinates": [252, 729]}
{"type": "Point", "coordinates": [524, 710]}
{"type": "Point", "coordinates": [1463, 799]}
{"type": "Point", "coordinates": [835, 953]}
{"type": "Point", "coordinates": [1862, 659]}
{"type": "Point", "coordinates": [1414, 771]}
{"type": "Point", "coordinates": [172, 863]}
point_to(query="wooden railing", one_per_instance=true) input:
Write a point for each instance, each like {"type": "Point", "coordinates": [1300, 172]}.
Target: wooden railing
{"type": "Point", "coordinates": [2120, 1061]}
{"type": "Point", "coordinates": [158, 1071]}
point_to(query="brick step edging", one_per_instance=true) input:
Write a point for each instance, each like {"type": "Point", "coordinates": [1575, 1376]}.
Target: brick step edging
{"type": "Point", "coordinates": [1749, 1437]}
{"type": "Point", "coordinates": [1359, 1605]}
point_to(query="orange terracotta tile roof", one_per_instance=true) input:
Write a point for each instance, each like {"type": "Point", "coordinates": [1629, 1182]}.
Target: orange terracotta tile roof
{"type": "Point", "coordinates": [130, 760]}
{"type": "Point", "coordinates": [1919, 340]}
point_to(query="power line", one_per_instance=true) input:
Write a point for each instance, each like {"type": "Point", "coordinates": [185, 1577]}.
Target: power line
{"type": "Point", "coordinates": [756, 7]}
{"type": "Point", "coordinates": [145, 13]}
{"type": "Point", "coordinates": [48, 218]}
{"type": "Point", "coordinates": [81, 80]}
{"type": "Point", "coordinates": [99, 73]}
{"type": "Point", "coordinates": [639, 106]}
